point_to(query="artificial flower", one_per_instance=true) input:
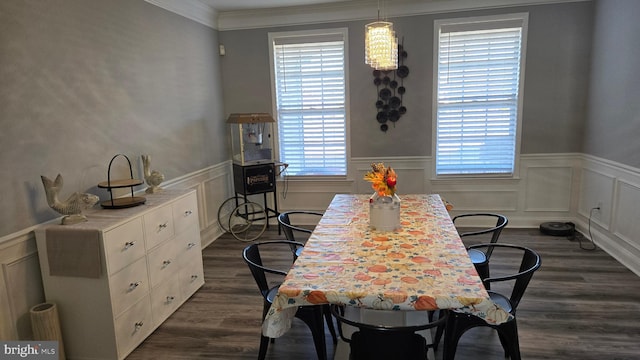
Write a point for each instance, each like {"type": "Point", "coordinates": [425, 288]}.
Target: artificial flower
{"type": "Point", "coordinates": [383, 179]}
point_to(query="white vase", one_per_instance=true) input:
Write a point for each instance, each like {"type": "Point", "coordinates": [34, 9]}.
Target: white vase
{"type": "Point", "coordinates": [384, 212]}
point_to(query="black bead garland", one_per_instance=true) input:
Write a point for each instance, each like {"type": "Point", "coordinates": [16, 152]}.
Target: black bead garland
{"type": "Point", "coordinates": [390, 91]}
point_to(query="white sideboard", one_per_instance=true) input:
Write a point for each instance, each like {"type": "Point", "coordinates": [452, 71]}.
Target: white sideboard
{"type": "Point", "coordinates": [118, 276]}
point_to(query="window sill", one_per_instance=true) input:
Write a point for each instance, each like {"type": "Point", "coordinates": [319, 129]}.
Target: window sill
{"type": "Point", "coordinates": [314, 178]}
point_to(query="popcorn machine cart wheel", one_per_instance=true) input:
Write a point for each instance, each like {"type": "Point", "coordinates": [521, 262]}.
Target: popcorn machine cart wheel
{"type": "Point", "coordinates": [245, 219]}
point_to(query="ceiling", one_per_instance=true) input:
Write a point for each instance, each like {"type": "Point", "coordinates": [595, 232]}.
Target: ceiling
{"type": "Point", "coordinates": [247, 14]}
{"type": "Point", "coordinates": [244, 5]}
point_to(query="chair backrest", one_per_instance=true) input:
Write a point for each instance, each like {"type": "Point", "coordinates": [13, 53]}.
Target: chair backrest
{"type": "Point", "coordinates": [529, 263]}
{"type": "Point", "coordinates": [501, 222]}
{"type": "Point", "coordinates": [372, 342]}
{"type": "Point", "coordinates": [288, 228]}
{"type": "Point", "coordinates": [251, 255]}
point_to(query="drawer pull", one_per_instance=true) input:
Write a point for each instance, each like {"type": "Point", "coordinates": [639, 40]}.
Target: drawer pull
{"type": "Point", "coordinates": [133, 286]}
{"type": "Point", "coordinates": [129, 244]}
{"type": "Point", "coordinates": [170, 299]}
{"type": "Point", "coordinates": [194, 277]}
{"type": "Point", "coordinates": [162, 226]}
{"type": "Point", "coordinates": [166, 263]}
{"type": "Point", "coordinates": [188, 213]}
{"type": "Point", "coordinates": [190, 245]}
{"type": "Point", "coordinates": [138, 325]}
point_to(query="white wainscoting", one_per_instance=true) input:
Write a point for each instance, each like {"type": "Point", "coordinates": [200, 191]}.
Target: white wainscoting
{"type": "Point", "coordinates": [546, 190]}
{"type": "Point", "coordinates": [615, 227]}
{"type": "Point", "coordinates": [552, 187]}
{"type": "Point", "coordinates": [17, 291]}
{"type": "Point", "coordinates": [213, 185]}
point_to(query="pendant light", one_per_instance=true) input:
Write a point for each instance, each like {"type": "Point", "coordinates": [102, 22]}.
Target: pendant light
{"type": "Point", "coordinates": [381, 45]}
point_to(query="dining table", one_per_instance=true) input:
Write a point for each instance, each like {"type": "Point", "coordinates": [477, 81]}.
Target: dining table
{"type": "Point", "coordinates": [421, 266]}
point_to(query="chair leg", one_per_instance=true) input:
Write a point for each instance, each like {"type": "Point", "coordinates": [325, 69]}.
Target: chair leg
{"type": "Point", "coordinates": [315, 321]}
{"type": "Point", "coordinates": [515, 349]}
{"type": "Point", "coordinates": [450, 339]}
{"type": "Point", "coordinates": [439, 330]}
{"type": "Point", "coordinates": [327, 315]}
{"type": "Point", "coordinates": [457, 325]}
{"type": "Point", "coordinates": [508, 333]}
{"type": "Point", "coordinates": [505, 344]}
{"type": "Point", "coordinates": [264, 343]}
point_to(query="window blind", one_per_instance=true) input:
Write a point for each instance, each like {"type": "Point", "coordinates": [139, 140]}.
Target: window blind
{"type": "Point", "coordinates": [310, 100]}
{"type": "Point", "coordinates": [477, 99]}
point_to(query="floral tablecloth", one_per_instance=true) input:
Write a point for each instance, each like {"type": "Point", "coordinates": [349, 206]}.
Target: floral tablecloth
{"type": "Point", "coordinates": [422, 266]}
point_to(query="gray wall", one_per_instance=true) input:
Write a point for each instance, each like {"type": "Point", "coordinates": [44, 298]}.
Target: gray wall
{"type": "Point", "coordinates": [556, 80]}
{"type": "Point", "coordinates": [613, 121]}
{"type": "Point", "coordinates": [84, 80]}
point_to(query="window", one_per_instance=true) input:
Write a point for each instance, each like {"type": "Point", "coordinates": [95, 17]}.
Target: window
{"type": "Point", "coordinates": [479, 67]}
{"type": "Point", "coordinates": [308, 76]}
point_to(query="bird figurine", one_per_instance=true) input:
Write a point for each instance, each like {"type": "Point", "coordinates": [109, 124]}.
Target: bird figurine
{"type": "Point", "coordinates": [73, 206]}
{"type": "Point", "coordinates": [152, 177]}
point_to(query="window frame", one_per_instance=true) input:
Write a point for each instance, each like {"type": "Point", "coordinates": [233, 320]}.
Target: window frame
{"type": "Point", "coordinates": [477, 23]}
{"type": "Point", "coordinates": [310, 34]}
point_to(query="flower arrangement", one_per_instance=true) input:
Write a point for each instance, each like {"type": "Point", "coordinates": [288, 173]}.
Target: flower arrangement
{"type": "Point", "coordinates": [383, 179]}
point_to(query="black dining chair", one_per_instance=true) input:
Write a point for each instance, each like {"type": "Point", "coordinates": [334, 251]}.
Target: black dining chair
{"type": "Point", "coordinates": [383, 342]}
{"type": "Point", "coordinates": [289, 229]}
{"type": "Point", "coordinates": [311, 315]}
{"type": "Point", "coordinates": [514, 282]}
{"type": "Point", "coordinates": [480, 259]}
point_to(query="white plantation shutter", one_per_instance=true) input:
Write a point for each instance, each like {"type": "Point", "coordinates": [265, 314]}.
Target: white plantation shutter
{"type": "Point", "coordinates": [477, 97]}
{"type": "Point", "coordinates": [309, 75]}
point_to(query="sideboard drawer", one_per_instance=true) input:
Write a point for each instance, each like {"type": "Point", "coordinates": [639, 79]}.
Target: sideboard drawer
{"type": "Point", "coordinates": [133, 326]}
{"type": "Point", "coordinates": [185, 213]}
{"type": "Point", "coordinates": [123, 245]}
{"type": "Point", "coordinates": [163, 261]}
{"type": "Point", "coordinates": [165, 299]}
{"type": "Point", "coordinates": [158, 226]}
{"type": "Point", "coordinates": [129, 285]}
{"type": "Point", "coordinates": [188, 246]}
{"type": "Point", "coordinates": [191, 277]}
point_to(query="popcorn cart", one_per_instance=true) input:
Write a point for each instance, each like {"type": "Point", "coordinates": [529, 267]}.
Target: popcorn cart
{"type": "Point", "coordinates": [254, 172]}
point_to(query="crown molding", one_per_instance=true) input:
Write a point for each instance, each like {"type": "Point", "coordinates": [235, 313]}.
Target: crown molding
{"type": "Point", "coordinates": [358, 10]}
{"type": "Point", "coordinates": [191, 9]}
{"type": "Point", "coordinates": [330, 12]}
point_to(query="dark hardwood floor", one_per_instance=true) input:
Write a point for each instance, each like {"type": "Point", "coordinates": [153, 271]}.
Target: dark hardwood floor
{"type": "Point", "coordinates": [580, 305]}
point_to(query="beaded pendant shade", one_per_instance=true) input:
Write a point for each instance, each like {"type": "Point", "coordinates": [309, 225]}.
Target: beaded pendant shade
{"type": "Point", "coordinates": [381, 46]}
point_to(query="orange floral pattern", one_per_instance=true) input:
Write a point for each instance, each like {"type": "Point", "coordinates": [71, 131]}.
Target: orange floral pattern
{"type": "Point", "coordinates": [422, 266]}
